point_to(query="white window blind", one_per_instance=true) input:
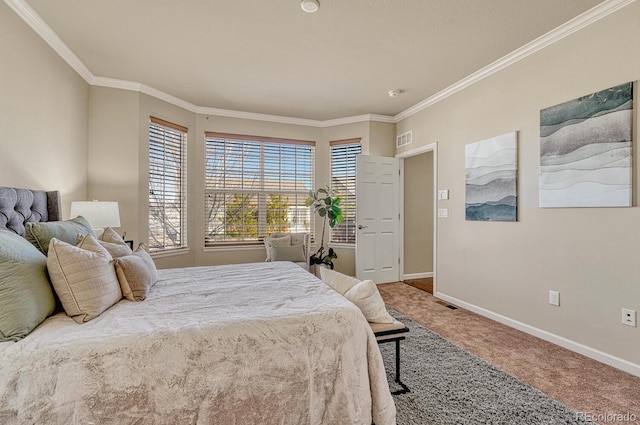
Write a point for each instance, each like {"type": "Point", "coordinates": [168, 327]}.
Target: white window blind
{"type": "Point", "coordinates": [167, 185]}
{"type": "Point", "coordinates": [255, 186]}
{"type": "Point", "coordinates": [343, 182]}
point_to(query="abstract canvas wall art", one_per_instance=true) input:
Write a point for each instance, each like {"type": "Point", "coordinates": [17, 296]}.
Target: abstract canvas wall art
{"type": "Point", "coordinates": [491, 190]}
{"type": "Point", "coordinates": [585, 150]}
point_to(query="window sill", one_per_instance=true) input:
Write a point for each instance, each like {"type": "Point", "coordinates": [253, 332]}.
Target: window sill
{"type": "Point", "coordinates": [170, 253]}
{"type": "Point", "coordinates": [233, 248]}
{"type": "Point", "coordinates": [340, 246]}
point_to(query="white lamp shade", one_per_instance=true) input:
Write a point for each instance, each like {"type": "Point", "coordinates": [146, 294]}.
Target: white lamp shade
{"type": "Point", "coordinates": [99, 214]}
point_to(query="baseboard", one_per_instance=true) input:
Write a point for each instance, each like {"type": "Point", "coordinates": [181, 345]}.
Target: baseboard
{"type": "Point", "coordinates": [590, 352]}
{"type": "Point", "coordinates": [417, 275]}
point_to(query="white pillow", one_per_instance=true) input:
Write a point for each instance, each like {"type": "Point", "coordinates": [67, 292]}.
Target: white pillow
{"type": "Point", "coordinates": [270, 242]}
{"type": "Point", "coordinates": [366, 296]}
{"type": "Point", "coordinates": [338, 281]}
{"type": "Point", "coordinates": [84, 279]}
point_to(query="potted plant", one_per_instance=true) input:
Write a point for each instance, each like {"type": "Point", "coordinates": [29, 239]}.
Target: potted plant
{"type": "Point", "coordinates": [326, 205]}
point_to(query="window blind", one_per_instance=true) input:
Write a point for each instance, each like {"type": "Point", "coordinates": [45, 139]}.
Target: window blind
{"type": "Point", "coordinates": [343, 182]}
{"type": "Point", "coordinates": [255, 186]}
{"type": "Point", "coordinates": [167, 186]}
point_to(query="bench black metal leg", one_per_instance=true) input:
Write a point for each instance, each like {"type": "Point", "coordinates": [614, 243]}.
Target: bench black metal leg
{"type": "Point", "coordinates": [404, 389]}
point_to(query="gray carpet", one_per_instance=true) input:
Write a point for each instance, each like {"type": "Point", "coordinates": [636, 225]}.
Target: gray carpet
{"type": "Point", "coordinates": [452, 386]}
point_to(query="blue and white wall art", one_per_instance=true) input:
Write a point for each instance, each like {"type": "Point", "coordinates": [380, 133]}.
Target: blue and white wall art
{"type": "Point", "coordinates": [491, 190]}
{"type": "Point", "coordinates": [585, 150]}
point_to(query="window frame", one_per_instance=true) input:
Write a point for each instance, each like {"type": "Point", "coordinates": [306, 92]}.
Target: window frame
{"type": "Point", "coordinates": [343, 161]}
{"type": "Point", "coordinates": [216, 146]}
{"type": "Point", "coordinates": [167, 139]}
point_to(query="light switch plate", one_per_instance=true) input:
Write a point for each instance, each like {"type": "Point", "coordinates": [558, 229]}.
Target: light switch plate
{"type": "Point", "coordinates": [443, 194]}
{"type": "Point", "coordinates": [443, 212]}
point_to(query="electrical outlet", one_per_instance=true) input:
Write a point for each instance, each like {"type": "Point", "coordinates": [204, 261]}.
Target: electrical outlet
{"type": "Point", "coordinates": [554, 298]}
{"type": "Point", "coordinates": [443, 212]}
{"type": "Point", "coordinates": [629, 317]}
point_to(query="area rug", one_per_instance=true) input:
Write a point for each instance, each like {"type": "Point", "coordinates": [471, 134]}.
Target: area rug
{"type": "Point", "coordinates": [452, 386]}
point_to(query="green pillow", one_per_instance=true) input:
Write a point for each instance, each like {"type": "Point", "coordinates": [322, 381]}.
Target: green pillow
{"type": "Point", "coordinates": [293, 253]}
{"type": "Point", "coordinates": [26, 296]}
{"type": "Point", "coordinates": [39, 234]}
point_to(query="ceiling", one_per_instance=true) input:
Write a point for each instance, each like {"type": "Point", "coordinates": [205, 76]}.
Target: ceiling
{"type": "Point", "coordinates": [270, 57]}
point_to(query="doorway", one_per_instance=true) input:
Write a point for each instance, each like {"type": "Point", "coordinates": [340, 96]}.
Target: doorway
{"type": "Point", "coordinates": [418, 226]}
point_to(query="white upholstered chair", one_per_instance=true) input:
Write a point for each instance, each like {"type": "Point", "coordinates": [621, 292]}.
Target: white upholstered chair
{"type": "Point", "coordinates": [289, 247]}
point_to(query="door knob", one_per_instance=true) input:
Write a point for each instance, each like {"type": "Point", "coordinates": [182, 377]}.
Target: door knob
{"type": "Point", "coordinates": [360, 227]}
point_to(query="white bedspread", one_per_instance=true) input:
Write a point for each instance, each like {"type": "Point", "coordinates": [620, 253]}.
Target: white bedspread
{"type": "Point", "coordinates": [258, 344]}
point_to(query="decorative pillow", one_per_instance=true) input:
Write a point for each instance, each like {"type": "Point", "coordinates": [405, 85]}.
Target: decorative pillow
{"type": "Point", "coordinates": [296, 238]}
{"type": "Point", "coordinates": [366, 296]}
{"type": "Point", "coordinates": [39, 234]}
{"type": "Point", "coordinates": [270, 242]}
{"type": "Point", "coordinates": [293, 253]}
{"type": "Point", "coordinates": [111, 241]}
{"type": "Point", "coordinates": [26, 297]}
{"type": "Point", "coordinates": [136, 273]}
{"type": "Point", "coordinates": [338, 281]}
{"type": "Point", "coordinates": [84, 279]}
{"type": "Point", "coordinates": [110, 235]}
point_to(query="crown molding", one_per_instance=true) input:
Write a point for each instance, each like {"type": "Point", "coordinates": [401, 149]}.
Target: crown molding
{"type": "Point", "coordinates": [31, 18]}
{"type": "Point", "coordinates": [587, 18]}
{"type": "Point", "coordinates": [229, 113]}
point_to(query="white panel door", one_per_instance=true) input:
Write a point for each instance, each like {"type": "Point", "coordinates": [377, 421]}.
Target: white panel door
{"type": "Point", "coordinates": [377, 215]}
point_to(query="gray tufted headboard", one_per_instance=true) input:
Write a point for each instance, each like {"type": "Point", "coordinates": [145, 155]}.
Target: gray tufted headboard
{"type": "Point", "coordinates": [20, 206]}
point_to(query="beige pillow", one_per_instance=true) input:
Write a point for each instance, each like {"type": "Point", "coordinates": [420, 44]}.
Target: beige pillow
{"type": "Point", "coordinates": [84, 279]}
{"type": "Point", "coordinates": [111, 241]}
{"type": "Point", "coordinates": [270, 242]}
{"type": "Point", "coordinates": [366, 296]}
{"type": "Point", "coordinates": [293, 253]}
{"type": "Point", "coordinates": [338, 281]}
{"type": "Point", "coordinates": [136, 273]}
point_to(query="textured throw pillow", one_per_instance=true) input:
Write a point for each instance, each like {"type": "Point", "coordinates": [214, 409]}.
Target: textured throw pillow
{"type": "Point", "coordinates": [270, 242]}
{"type": "Point", "coordinates": [84, 279]}
{"type": "Point", "coordinates": [26, 297]}
{"type": "Point", "coordinates": [39, 234]}
{"type": "Point", "coordinates": [111, 241]}
{"type": "Point", "coordinates": [136, 273]}
{"type": "Point", "coordinates": [366, 296]}
{"type": "Point", "coordinates": [338, 281]}
{"type": "Point", "coordinates": [293, 253]}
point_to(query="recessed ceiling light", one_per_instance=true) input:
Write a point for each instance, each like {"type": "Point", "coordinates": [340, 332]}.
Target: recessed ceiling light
{"type": "Point", "coordinates": [394, 93]}
{"type": "Point", "coordinates": [310, 6]}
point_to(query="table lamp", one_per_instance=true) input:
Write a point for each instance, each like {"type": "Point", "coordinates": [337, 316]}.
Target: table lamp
{"type": "Point", "coordinates": [99, 214]}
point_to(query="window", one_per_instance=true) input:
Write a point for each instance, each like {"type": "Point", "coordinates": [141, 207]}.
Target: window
{"type": "Point", "coordinates": [167, 186]}
{"type": "Point", "coordinates": [255, 186]}
{"type": "Point", "coordinates": [343, 182]}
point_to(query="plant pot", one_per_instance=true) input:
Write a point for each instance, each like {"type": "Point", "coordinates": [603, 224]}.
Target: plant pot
{"type": "Point", "coordinates": [317, 269]}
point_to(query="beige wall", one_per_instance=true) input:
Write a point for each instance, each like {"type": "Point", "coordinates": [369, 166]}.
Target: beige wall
{"type": "Point", "coordinates": [418, 214]}
{"type": "Point", "coordinates": [118, 139]}
{"type": "Point", "coordinates": [588, 254]}
{"type": "Point", "coordinates": [113, 158]}
{"type": "Point", "coordinates": [43, 115]}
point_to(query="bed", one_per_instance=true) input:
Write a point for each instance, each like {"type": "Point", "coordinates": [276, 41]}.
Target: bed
{"type": "Point", "coordinates": [263, 343]}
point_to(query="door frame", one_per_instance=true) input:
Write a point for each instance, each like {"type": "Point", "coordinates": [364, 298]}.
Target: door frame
{"type": "Point", "coordinates": [433, 147]}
